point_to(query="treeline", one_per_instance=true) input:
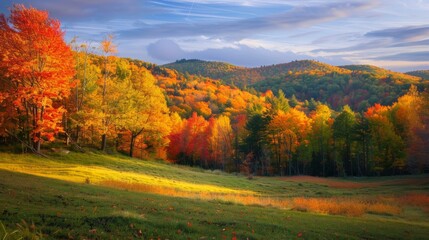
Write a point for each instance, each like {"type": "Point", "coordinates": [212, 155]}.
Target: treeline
{"type": "Point", "coordinates": [281, 140]}
{"type": "Point", "coordinates": [81, 95]}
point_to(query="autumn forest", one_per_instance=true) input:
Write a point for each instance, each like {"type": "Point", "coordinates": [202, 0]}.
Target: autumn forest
{"type": "Point", "coordinates": [304, 117]}
{"type": "Point", "coordinates": [95, 145]}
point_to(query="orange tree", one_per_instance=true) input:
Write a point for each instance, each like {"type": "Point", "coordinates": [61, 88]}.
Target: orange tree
{"type": "Point", "coordinates": [36, 67]}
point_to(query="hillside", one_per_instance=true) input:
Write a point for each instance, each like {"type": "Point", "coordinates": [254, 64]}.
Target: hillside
{"type": "Point", "coordinates": [215, 70]}
{"type": "Point", "coordinates": [244, 76]}
{"type": "Point", "coordinates": [381, 73]}
{"type": "Point", "coordinates": [359, 86]}
{"type": "Point", "coordinates": [187, 93]}
{"type": "Point", "coordinates": [421, 73]}
{"type": "Point", "coordinates": [97, 196]}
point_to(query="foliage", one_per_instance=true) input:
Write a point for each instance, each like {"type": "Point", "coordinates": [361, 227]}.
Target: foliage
{"type": "Point", "coordinates": [144, 110]}
{"type": "Point", "coordinates": [36, 67]}
{"type": "Point", "coordinates": [358, 86]}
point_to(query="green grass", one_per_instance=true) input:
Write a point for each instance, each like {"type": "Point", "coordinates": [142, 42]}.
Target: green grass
{"type": "Point", "coordinates": [52, 194]}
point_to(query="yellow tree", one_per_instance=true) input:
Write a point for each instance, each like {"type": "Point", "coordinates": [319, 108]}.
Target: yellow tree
{"type": "Point", "coordinates": [86, 77]}
{"type": "Point", "coordinates": [321, 133]}
{"type": "Point", "coordinates": [408, 119]}
{"type": "Point", "coordinates": [221, 140]}
{"type": "Point", "coordinates": [107, 48]}
{"type": "Point", "coordinates": [140, 107]}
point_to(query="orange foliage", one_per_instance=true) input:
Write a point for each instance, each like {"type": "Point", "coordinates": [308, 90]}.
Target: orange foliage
{"type": "Point", "coordinates": [39, 65]}
{"type": "Point", "coordinates": [205, 96]}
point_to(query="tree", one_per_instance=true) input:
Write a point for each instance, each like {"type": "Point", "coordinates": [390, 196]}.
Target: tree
{"type": "Point", "coordinates": [38, 67]}
{"type": "Point", "coordinates": [408, 119]}
{"type": "Point", "coordinates": [387, 146]}
{"type": "Point", "coordinates": [287, 131]}
{"type": "Point", "coordinates": [140, 107]}
{"type": "Point", "coordinates": [84, 109]}
{"type": "Point", "coordinates": [221, 140]}
{"type": "Point", "coordinates": [107, 48]}
{"type": "Point", "coordinates": [189, 141]}
{"type": "Point", "coordinates": [280, 103]}
{"type": "Point", "coordinates": [254, 141]}
{"type": "Point", "coordinates": [343, 128]}
{"type": "Point", "coordinates": [321, 135]}
{"type": "Point", "coordinates": [86, 76]}
{"type": "Point", "coordinates": [293, 101]}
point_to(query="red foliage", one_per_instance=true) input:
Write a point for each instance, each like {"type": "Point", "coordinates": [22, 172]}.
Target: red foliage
{"type": "Point", "coordinates": [39, 66]}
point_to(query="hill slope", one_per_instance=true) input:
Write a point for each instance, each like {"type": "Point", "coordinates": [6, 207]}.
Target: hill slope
{"type": "Point", "coordinates": [245, 76]}
{"type": "Point", "coordinates": [359, 86]}
{"type": "Point", "coordinates": [160, 200]}
{"type": "Point", "coordinates": [215, 70]}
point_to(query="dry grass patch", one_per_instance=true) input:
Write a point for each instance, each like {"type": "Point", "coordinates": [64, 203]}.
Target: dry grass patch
{"type": "Point", "coordinates": [416, 199]}
{"type": "Point", "coordinates": [344, 206]}
{"type": "Point", "coordinates": [244, 199]}
{"type": "Point", "coordinates": [333, 206]}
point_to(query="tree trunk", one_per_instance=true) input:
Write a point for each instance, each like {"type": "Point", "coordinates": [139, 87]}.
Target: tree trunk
{"type": "Point", "coordinates": [103, 142]}
{"type": "Point", "coordinates": [36, 145]}
{"type": "Point", "coordinates": [297, 167]}
{"type": "Point", "coordinates": [133, 139]}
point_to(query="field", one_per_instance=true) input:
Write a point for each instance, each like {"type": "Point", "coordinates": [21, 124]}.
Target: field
{"type": "Point", "coordinates": [96, 196]}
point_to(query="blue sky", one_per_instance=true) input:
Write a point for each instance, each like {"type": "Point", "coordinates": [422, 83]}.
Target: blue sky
{"type": "Point", "coordinates": [393, 34]}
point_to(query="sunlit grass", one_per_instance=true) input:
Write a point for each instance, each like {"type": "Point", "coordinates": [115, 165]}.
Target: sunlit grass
{"type": "Point", "coordinates": [67, 210]}
{"type": "Point", "coordinates": [101, 175]}
{"type": "Point", "coordinates": [303, 193]}
{"type": "Point", "coordinates": [334, 205]}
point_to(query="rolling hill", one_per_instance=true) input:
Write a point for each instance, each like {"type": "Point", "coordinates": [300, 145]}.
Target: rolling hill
{"type": "Point", "coordinates": [359, 86]}
{"type": "Point", "coordinates": [97, 196]}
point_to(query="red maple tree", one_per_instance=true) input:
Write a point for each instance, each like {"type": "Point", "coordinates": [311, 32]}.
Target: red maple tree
{"type": "Point", "coordinates": [36, 67]}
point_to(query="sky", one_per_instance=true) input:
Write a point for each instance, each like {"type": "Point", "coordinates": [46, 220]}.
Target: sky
{"type": "Point", "coordinates": [392, 34]}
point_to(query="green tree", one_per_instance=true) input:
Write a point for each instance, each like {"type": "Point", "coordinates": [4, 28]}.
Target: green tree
{"type": "Point", "coordinates": [293, 101]}
{"type": "Point", "coordinates": [254, 141]}
{"type": "Point", "coordinates": [279, 103]}
{"type": "Point", "coordinates": [343, 130]}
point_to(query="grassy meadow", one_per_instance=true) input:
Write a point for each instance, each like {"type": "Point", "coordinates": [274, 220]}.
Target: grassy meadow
{"type": "Point", "coordinates": [96, 196]}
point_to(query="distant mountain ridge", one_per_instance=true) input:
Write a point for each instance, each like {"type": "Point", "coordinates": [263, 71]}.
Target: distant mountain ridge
{"type": "Point", "coordinates": [243, 76]}
{"type": "Point", "coordinates": [424, 74]}
{"type": "Point", "coordinates": [359, 86]}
